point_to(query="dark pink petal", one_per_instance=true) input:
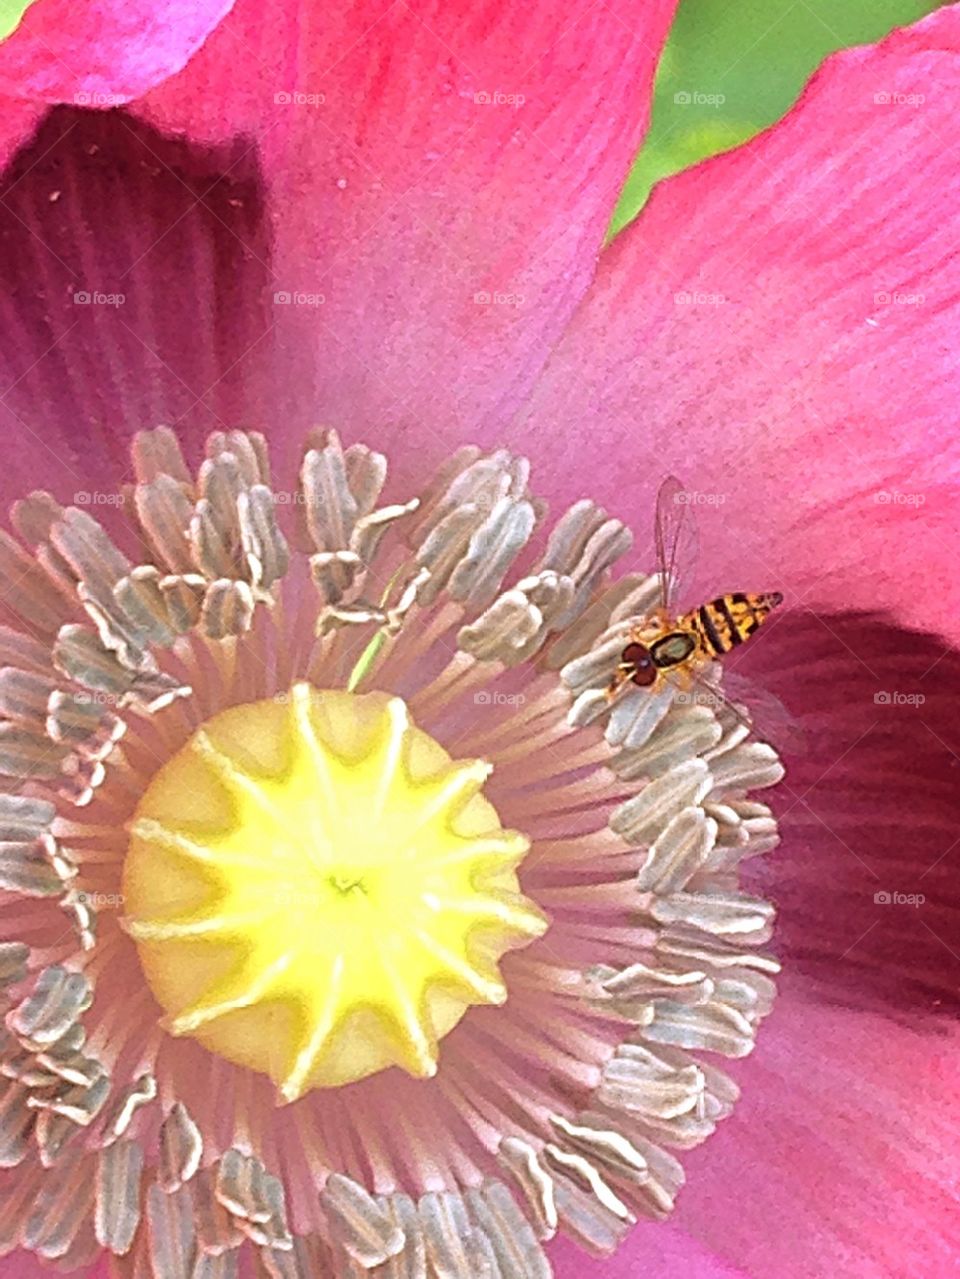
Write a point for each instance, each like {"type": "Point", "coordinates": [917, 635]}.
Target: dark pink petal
{"type": "Point", "coordinates": [103, 51]}
{"type": "Point", "coordinates": [843, 1155]}
{"type": "Point", "coordinates": [780, 327]}
{"type": "Point", "coordinates": [131, 293]}
{"type": "Point", "coordinates": [442, 178]}
{"type": "Point", "coordinates": [869, 808]}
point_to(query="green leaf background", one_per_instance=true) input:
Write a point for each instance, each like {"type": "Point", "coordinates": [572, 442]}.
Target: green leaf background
{"type": "Point", "coordinates": [754, 54]}
{"type": "Point", "coordinates": [11, 11]}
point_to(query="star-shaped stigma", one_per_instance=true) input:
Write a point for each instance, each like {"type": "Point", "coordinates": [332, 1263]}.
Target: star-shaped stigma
{"type": "Point", "coordinates": [318, 891]}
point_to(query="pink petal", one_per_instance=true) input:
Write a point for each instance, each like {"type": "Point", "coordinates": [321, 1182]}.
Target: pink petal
{"type": "Point", "coordinates": [842, 1156]}
{"type": "Point", "coordinates": [814, 417]}
{"type": "Point", "coordinates": [654, 1249]}
{"type": "Point", "coordinates": [405, 199]}
{"type": "Point", "coordinates": [18, 120]}
{"type": "Point", "coordinates": [802, 1165]}
{"type": "Point", "coordinates": [103, 51]}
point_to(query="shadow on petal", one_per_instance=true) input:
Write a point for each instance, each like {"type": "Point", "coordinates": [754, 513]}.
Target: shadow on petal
{"type": "Point", "coordinates": [133, 280]}
{"type": "Point", "coordinates": [868, 876]}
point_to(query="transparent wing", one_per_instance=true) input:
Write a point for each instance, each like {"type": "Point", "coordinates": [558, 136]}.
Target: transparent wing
{"type": "Point", "coordinates": [756, 707]}
{"type": "Point", "coordinates": [675, 537]}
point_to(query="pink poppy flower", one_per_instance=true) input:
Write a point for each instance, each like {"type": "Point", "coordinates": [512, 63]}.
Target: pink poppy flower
{"type": "Point", "coordinates": [390, 220]}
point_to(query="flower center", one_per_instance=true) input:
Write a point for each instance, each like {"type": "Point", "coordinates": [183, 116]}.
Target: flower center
{"type": "Point", "coordinates": [318, 890]}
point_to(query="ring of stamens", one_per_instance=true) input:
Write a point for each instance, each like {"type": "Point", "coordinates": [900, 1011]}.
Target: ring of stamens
{"type": "Point", "coordinates": [563, 1110]}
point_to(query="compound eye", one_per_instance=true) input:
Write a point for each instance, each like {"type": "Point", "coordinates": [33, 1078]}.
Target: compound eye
{"type": "Point", "coordinates": [644, 675]}
{"type": "Point", "coordinates": [637, 657]}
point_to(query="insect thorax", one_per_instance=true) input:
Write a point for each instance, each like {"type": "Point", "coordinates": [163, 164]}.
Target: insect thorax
{"type": "Point", "coordinates": [673, 649]}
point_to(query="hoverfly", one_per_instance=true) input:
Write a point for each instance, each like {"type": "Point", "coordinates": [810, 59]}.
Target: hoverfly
{"type": "Point", "coordinates": [676, 649]}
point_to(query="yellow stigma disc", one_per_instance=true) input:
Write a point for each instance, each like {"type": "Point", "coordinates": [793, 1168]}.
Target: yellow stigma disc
{"type": "Point", "coordinates": [318, 891]}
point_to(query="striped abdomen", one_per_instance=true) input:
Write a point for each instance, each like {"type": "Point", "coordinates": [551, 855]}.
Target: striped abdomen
{"type": "Point", "coordinates": [729, 620]}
